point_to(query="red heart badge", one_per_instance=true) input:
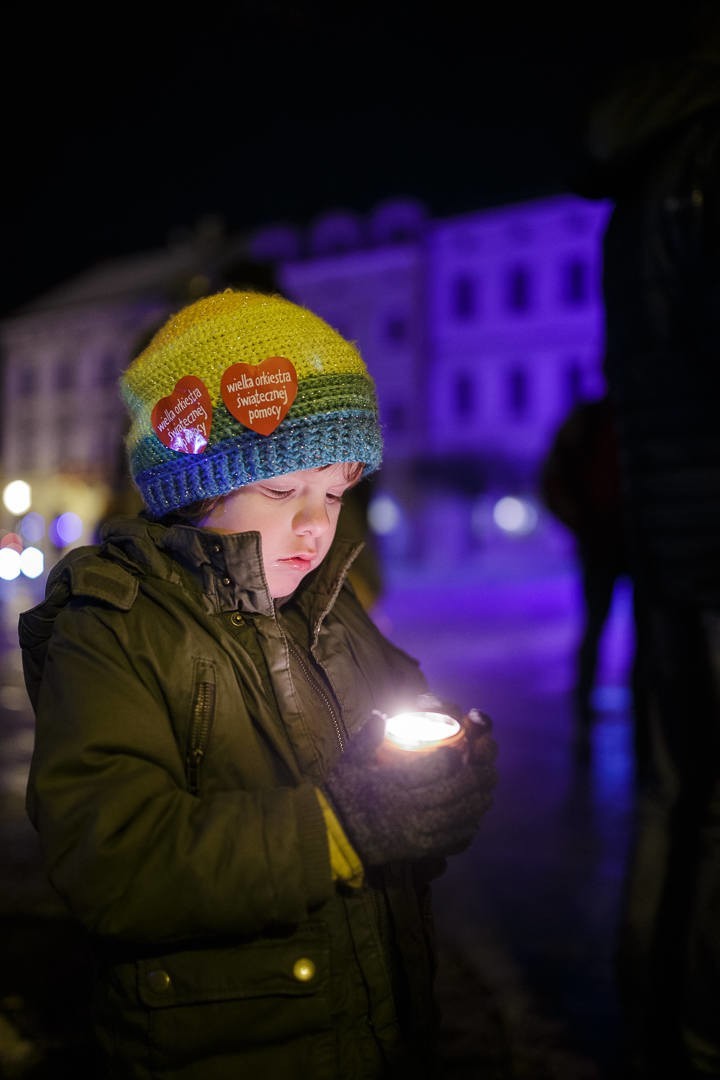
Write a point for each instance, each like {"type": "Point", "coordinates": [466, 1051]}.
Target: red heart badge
{"type": "Point", "coordinates": [259, 395]}
{"type": "Point", "coordinates": [183, 419]}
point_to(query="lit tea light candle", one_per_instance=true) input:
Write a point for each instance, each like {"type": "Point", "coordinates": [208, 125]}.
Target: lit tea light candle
{"type": "Point", "coordinates": [421, 730]}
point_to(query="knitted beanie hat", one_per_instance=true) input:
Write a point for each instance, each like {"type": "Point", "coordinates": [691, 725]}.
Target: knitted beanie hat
{"type": "Point", "coordinates": [244, 386]}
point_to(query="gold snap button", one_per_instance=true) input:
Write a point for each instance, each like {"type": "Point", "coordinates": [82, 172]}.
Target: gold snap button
{"type": "Point", "coordinates": [304, 969]}
{"type": "Point", "coordinates": [159, 981]}
{"type": "Point", "coordinates": [236, 619]}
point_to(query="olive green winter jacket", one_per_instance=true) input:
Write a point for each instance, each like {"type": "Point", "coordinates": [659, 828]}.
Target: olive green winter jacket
{"type": "Point", "coordinates": [184, 721]}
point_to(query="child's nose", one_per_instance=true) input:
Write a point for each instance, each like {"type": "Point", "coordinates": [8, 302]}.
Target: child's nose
{"type": "Point", "coordinates": [312, 518]}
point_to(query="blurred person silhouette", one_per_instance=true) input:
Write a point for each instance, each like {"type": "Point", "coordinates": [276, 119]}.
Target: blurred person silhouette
{"type": "Point", "coordinates": [210, 699]}
{"type": "Point", "coordinates": [580, 485]}
{"type": "Point", "coordinates": [652, 145]}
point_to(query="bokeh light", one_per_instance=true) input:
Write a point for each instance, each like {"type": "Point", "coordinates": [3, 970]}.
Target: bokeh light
{"type": "Point", "coordinates": [12, 540]}
{"type": "Point", "coordinates": [66, 529]}
{"type": "Point", "coordinates": [17, 496]}
{"type": "Point", "coordinates": [32, 562]}
{"type": "Point", "coordinates": [515, 515]}
{"type": "Point", "coordinates": [384, 515]}
{"type": "Point", "coordinates": [32, 527]}
{"type": "Point", "coordinates": [9, 564]}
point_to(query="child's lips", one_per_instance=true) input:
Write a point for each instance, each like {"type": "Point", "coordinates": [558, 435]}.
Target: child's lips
{"type": "Point", "coordinates": [300, 561]}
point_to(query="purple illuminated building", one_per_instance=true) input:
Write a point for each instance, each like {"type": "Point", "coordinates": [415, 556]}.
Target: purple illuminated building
{"type": "Point", "coordinates": [481, 331]}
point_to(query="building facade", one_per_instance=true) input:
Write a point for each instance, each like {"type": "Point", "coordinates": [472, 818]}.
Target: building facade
{"type": "Point", "coordinates": [481, 331]}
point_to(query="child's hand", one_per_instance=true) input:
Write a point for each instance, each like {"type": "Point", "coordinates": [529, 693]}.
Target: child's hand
{"type": "Point", "coordinates": [428, 806]}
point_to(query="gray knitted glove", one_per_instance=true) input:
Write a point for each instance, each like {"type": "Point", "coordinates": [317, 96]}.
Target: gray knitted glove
{"type": "Point", "coordinates": [429, 807]}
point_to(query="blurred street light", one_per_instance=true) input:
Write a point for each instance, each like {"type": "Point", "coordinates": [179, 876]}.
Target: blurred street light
{"type": "Point", "coordinates": [17, 497]}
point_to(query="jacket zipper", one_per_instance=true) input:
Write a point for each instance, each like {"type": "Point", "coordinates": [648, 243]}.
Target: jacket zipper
{"type": "Point", "coordinates": [202, 715]}
{"type": "Point", "coordinates": [319, 690]}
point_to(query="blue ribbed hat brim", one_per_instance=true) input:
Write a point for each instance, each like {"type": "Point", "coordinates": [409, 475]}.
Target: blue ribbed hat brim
{"type": "Point", "coordinates": [300, 443]}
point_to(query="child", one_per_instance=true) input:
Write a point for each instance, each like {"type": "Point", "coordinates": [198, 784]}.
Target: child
{"type": "Point", "coordinates": [207, 689]}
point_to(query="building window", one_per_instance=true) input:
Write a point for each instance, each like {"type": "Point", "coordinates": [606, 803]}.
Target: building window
{"type": "Point", "coordinates": [108, 445]}
{"type": "Point", "coordinates": [107, 370]}
{"type": "Point", "coordinates": [396, 329]}
{"type": "Point", "coordinates": [26, 381]}
{"type": "Point", "coordinates": [401, 234]}
{"type": "Point", "coordinates": [575, 283]}
{"type": "Point", "coordinates": [464, 397]}
{"type": "Point", "coordinates": [65, 376]}
{"type": "Point", "coordinates": [64, 425]}
{"type": "Point", "coordinates": [464, 297]}
{"type": "Point", "coordinates": [518, 392]}
{"type": "Point", "coordinates": [29, 452]}
{"type": "Point", "coordinates": [518, 289]}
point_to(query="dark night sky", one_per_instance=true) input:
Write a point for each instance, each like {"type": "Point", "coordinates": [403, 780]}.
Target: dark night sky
{"type": "Point", "coordinates": [120, 134]}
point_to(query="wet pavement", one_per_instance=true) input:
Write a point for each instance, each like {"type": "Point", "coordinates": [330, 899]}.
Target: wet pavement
{"type": "Point", "coordinates": [529, 912]}
{"type": "Point", "coordinates": [526, 917]}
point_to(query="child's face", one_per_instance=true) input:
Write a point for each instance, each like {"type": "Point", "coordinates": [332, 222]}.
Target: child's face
{"type": "Point", "coordinates": [296, 515]}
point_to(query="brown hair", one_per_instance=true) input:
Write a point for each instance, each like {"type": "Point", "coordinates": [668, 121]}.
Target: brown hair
{"type": "Point", "coordinates": [190, 515]}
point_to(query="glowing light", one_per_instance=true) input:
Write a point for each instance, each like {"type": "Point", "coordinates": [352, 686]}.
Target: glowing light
{"type": "Point", "coordinates": [383, 515]}
{"type": "Point", "coordinates": [32, 527]}
{"type": "Point", "coordinates": [514, 515]}
{"type": "Point", "coordinates": [419, 730]}
{"type": "Point", "coordinates": [12, 540]}
{"type": "Point", "coordinates": [66, 528]}
{"type": "Point", "coordinates": [9, 564]}
{"type": "Point", "coordinates": [32, 562]}
{"type": "Point", "coordinates": [17, 496]}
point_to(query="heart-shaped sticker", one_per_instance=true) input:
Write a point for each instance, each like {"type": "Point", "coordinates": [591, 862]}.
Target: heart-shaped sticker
{"type": "Point", "coordinates": [183, 419]}
{"type": "Point", "coordinates": [259, 395]}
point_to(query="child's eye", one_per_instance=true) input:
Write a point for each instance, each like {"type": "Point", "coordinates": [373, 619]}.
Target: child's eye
{"type": "Point", "coordinates": [334, 498]}
{"type": "Point", "coordinates": [278, 493]}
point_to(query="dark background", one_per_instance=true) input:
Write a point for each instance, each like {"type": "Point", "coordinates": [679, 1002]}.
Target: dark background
{"type": "Point", "coordinates": [126, 127]}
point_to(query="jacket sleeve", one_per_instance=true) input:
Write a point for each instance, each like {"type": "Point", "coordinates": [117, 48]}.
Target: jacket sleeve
{"type": "Point", "coordinates": [134, 854]}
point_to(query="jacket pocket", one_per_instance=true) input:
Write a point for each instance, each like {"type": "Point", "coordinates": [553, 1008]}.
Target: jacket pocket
{"type": "Point", "coordinates": [240, 1003]}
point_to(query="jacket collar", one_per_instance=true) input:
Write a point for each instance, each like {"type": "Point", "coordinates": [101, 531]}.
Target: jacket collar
{"type": "Point", "coordinates": [226, 568]}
